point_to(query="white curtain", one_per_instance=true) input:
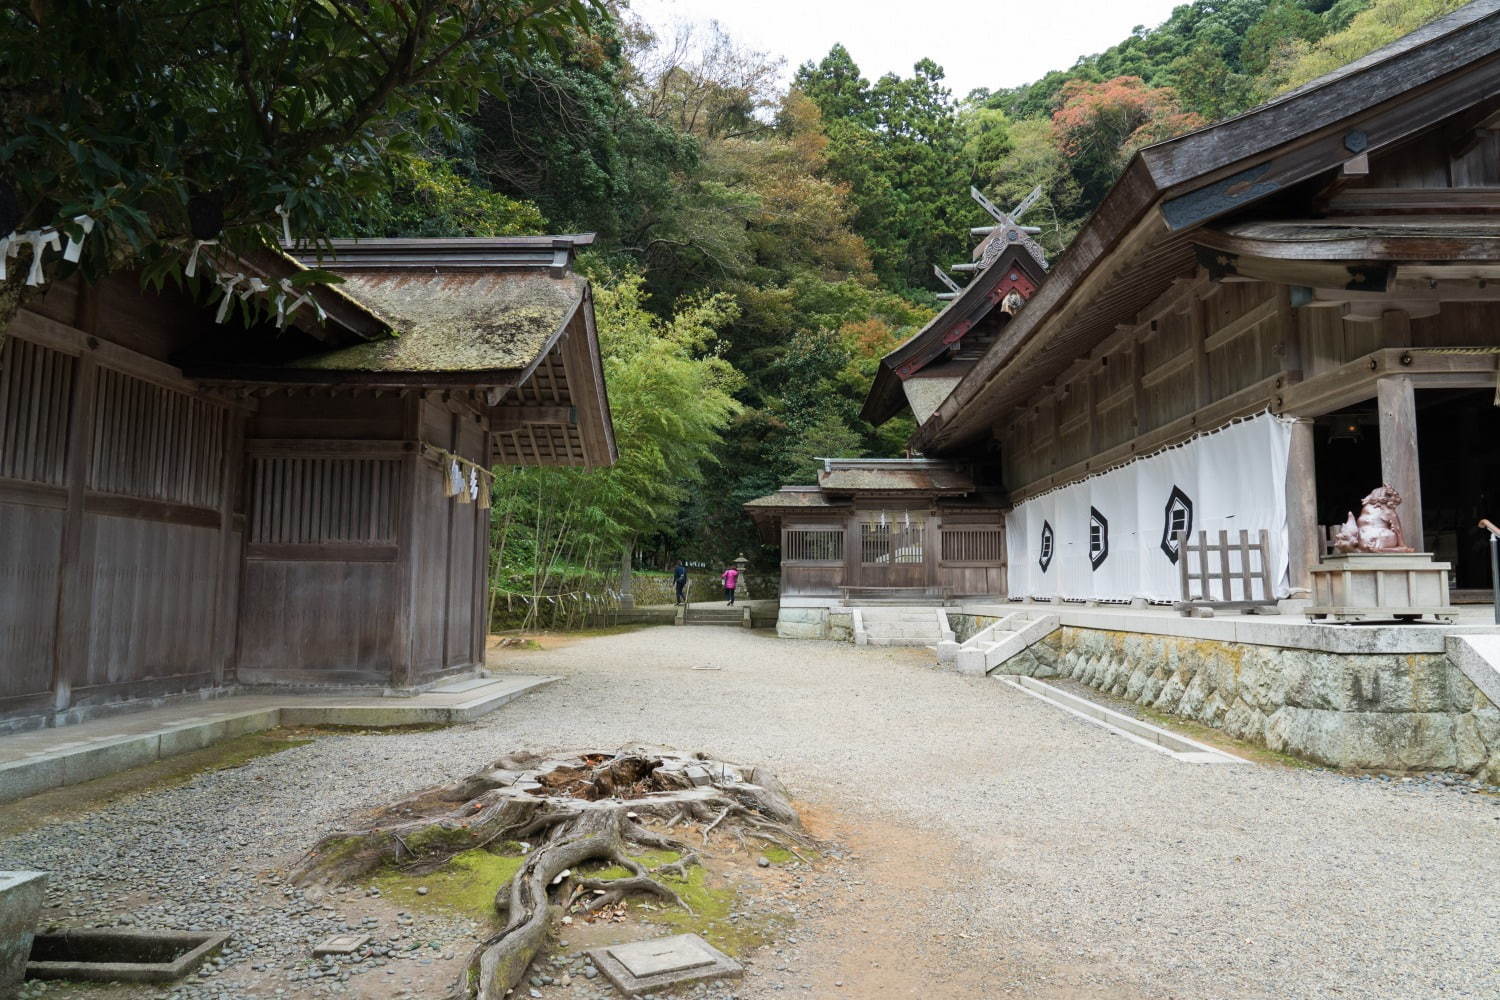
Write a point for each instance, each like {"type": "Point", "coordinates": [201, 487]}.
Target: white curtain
{"type": "Point", "coordinates": [1111, 531]}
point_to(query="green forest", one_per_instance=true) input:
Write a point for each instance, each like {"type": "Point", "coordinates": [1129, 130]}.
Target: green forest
{"type": "Point", "coordinates": [765, 233]}
{"type": "Point", "coordinates": [770, 244]}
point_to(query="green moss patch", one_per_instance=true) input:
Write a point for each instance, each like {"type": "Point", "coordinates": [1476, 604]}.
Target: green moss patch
{"type": "Point", "coordinates": [712, 901]}
{"type": "Point", "coordinates": [466, 885]}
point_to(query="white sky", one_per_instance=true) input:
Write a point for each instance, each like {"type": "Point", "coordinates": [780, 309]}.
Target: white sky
{"type": "Point", "coordinates": [979, 43]}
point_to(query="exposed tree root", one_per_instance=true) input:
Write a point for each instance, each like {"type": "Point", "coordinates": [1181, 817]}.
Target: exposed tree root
{"type": "Point", "coordinates": [572, 811]}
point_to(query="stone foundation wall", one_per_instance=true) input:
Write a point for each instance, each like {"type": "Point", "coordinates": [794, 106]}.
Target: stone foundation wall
{"type": "Point", "coordinates": [835, 624]}
{"type": "Point", "coordinates": [1388, 711]}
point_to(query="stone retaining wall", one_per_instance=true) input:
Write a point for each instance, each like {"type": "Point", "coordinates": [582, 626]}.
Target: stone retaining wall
{"type": "Point", "coordinates": [1388, 711]}
{"type": "Point", "coordinates": [836, 624]}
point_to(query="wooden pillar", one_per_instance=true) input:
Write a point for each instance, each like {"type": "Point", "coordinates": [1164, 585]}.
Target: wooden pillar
{"type": "Point", "coordinates": [482, 558]}
{"type": "Point", "coordinates": [1399, 465]}
{"type": "Point", "coordinates": [70, 648]}
{"type": "Point", "coordinates": [932, 547]}
{"type": "Point", "coordinates": [403, 636]}
{"type": "Point", "coordinates": [450, 530]}
{"type": "Point", "coordinates": [226, 609]}
{"type": "Point", "coordinates": [1302, 547]}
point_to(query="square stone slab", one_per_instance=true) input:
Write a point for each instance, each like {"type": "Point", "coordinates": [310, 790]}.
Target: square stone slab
{"type": "Point", "coordinates": [642, 966]}
{"type": "Point", "coordinates": [340, 944]}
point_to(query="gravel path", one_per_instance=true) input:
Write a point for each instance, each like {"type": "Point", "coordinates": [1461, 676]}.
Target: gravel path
{"type": "Point", "coordinates": [1001, 847]}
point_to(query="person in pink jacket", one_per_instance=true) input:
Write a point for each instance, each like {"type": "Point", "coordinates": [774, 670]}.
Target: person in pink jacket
{"type": "Point", "coordinates": [731, 577]}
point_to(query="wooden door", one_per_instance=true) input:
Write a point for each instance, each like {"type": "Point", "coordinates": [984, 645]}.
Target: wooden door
{"type": "Point", "coordinates": [893, 550]}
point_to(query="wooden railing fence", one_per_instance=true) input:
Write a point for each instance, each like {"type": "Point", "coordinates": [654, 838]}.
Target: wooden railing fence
{"type": "Point", "coordinates": [1217, 572]}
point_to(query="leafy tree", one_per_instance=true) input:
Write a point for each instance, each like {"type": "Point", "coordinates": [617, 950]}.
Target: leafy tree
{"type": "Point", "coordinates": [1098, 125]}
{"type": "Point", "coordinates": [1383, 21]}
{"type": "Point", "coordinates": [162, 119]}
{"type": "Point", "coordinates": [1208, 84]}
{"type": "Point", "coordinates": [829, 436]}
{"type": "Point", "coordinates": [1282, 25]}
{"type": "Point", "coordinates": [896, 144]}
{"type": "Point", "coordinates": [430, 198]}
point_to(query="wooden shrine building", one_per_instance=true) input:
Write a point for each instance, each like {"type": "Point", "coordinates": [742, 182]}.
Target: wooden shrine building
{"type": "Point", "coordinates": [186, 505]}
{"type": "Point", "coordinates": [893, 528]}
{"type": "Point", "coordinates": [1262, 321]}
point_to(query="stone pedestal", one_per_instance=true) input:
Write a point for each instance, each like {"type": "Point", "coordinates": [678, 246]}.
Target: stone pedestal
{"type": "Point", "coordinates": [21, 898]}
{"type": "Point", "coordinates": [1355, 585]}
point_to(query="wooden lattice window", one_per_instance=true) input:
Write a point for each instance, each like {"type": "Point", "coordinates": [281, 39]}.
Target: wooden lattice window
{"type": "Point", "coordinates": [36, 390]}
{"type": "Point", "coordinates": [156, 443]}
{"type": "Point", "coordinates": [312, 501]}
{"type": "Point", "coordinates": [983, 546]}
{"type": "Point", "coordinates": [820, 545]}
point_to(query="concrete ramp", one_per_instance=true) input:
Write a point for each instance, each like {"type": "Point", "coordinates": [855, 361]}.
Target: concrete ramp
{"type": "Point", "coordinates": [1478, 656]}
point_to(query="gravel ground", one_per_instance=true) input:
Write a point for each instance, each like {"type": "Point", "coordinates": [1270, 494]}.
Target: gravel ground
{"type": "Point", "coordinates": [999, 847]}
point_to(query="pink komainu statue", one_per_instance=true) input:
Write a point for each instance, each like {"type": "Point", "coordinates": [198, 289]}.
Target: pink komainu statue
{"type": "Point", "coordinates": [1377, 528]}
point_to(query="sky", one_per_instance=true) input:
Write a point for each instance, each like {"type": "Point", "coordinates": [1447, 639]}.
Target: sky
{"type": "Point", "coordinates": [979, 43]}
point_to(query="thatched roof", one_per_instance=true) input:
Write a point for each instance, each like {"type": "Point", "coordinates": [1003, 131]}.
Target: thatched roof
{"type": "Point", "coordinates": [456, 321]}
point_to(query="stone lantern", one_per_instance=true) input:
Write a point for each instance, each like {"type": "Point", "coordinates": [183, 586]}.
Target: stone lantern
{"type": "Point", "coordinates": [742, 582]}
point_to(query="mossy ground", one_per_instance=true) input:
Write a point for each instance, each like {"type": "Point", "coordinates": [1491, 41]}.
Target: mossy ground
{"type": "Point", "coordinates": [712, 900]}
{"type": "Point", "coordinates": [465, 885]}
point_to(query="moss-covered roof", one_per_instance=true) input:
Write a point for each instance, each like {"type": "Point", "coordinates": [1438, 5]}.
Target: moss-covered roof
{"type": "Point", "coordinates": [894, 479]}
{"type": "Point", "coordinates": [455, 321]}
{"type": "Point", "coordinates": [794, 496]}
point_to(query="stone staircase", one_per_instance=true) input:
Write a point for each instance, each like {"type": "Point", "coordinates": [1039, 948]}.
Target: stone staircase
{"type": "Point", "coordinates": [900, 626]}
{"type": "Point", "coordinates": [723, 615]}
{"type": "Point", "coordinates": [989, 648]}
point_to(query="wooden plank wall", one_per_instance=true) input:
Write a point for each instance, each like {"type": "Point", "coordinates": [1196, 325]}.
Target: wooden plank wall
{"type": "Point", "coordinates": [359, 568]}
{"type": "Point", "coordinates": [113, 565]}
{"type": "Point", "coordinates": [1202, 353]}
{"type": "Point", "coordinates": [320, 595]}
{"type": "Point", "coordinates": [450, 548]}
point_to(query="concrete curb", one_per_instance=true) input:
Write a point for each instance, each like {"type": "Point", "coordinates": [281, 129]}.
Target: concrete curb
{"type": "Point", "coordinates": [100, 756]}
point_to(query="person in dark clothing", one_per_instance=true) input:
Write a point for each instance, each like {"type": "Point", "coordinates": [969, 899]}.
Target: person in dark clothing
{"type": "Point", "coordinates": [679, 579]}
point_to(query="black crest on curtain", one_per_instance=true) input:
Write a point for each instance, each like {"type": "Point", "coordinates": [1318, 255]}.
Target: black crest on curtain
{"type": "Point", "coordinates": [1177, 517]}
{"type": "Point", "coordinates": [1098, 538]}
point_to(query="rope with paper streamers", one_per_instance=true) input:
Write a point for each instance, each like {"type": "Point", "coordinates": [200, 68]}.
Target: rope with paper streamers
{"type": "Point", "coordinates": [40, 240]}
{"type": "Point", "coordinates": [287, 298]}
{"type": "Point", "coordinates": [468, 481]}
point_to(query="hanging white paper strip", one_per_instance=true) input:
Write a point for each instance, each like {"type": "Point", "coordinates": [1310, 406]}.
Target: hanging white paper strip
{"type": "Point", "coordinates": [40, 238]}
{"type": "Point", "coordinates": [10, 246]}
{"type": "Point", "coordinates": [74, 249]}
{"type": "Point", "coordinates": [192, 264]}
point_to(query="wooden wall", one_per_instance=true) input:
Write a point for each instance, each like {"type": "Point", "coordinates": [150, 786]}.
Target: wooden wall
{"type": "Point", "coordinates": [359, 568]}
{"type": "Point", "coordinates": [117, 559]}
{"type": "Point", "coordinates": [156, 538]}
{"type": "Point", "coordinates": [963, 554]}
